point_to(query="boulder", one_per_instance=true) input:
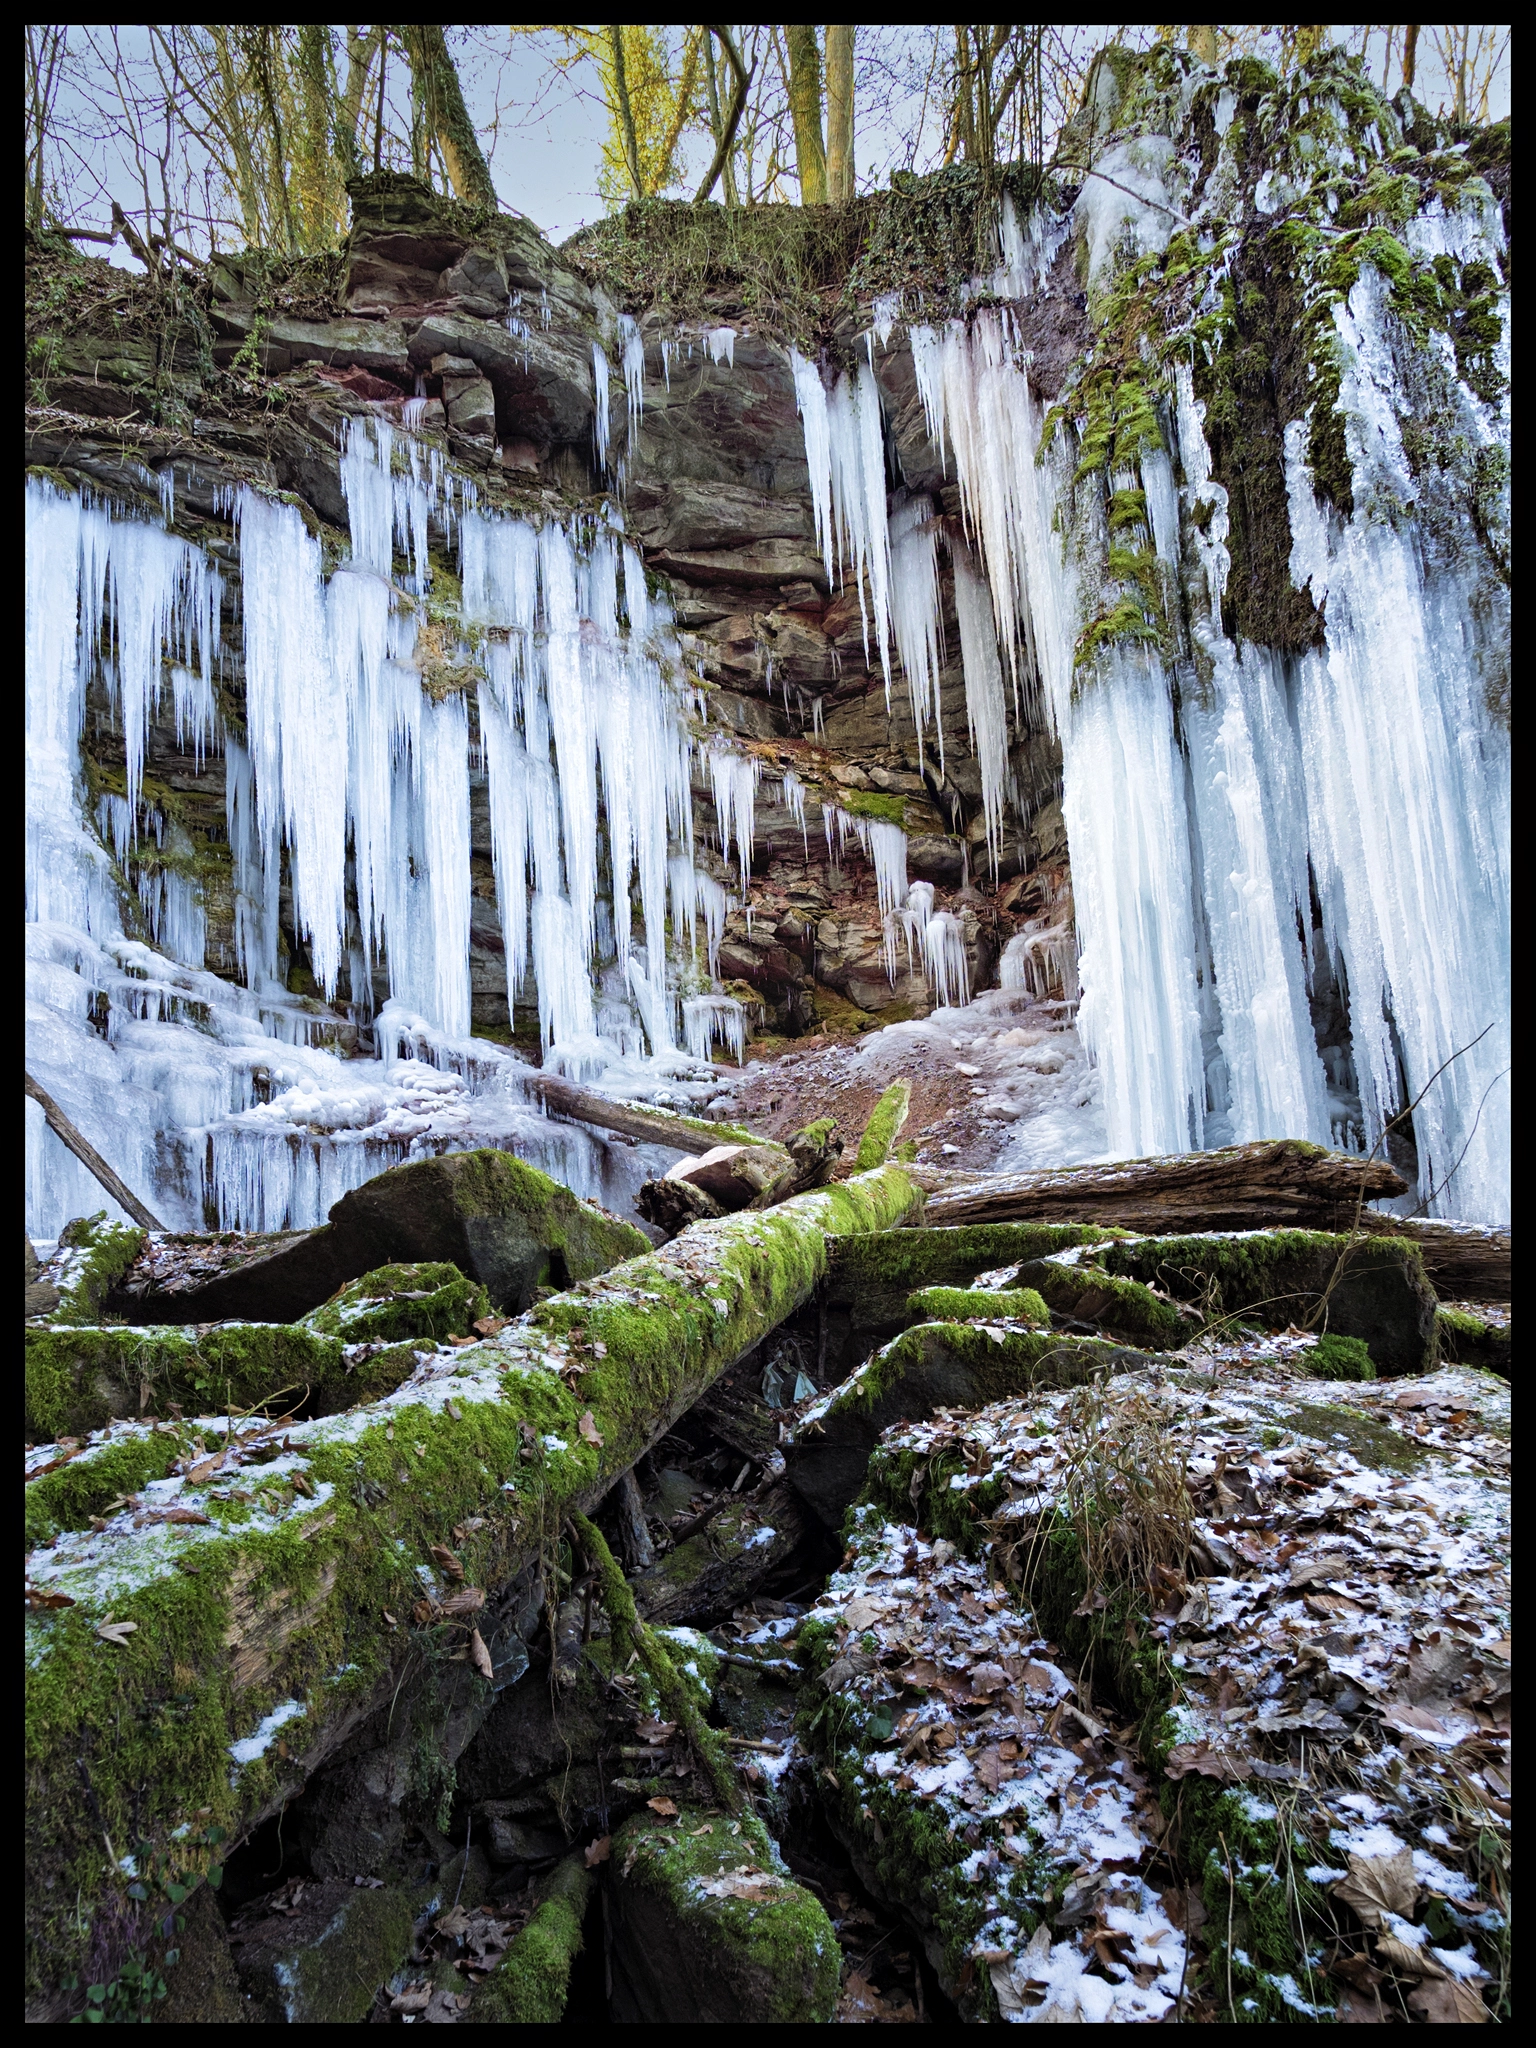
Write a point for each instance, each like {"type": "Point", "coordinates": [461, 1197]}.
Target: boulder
{"type": "Point", "coordinates": [1373, 1288]}
{"type": "Point", "coordinates": [319, 1958]}
{"type": "Point", "coordinates": [503, 1224]}
{"type": "Point", "coordinates": [933, 1365]}
{"type": "Point", "coordinates": [709, 1929]}
{"type": "Point", "coordinates": [732, 1175]}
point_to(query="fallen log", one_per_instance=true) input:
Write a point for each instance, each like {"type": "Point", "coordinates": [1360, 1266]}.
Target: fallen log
{"type": "Point", "coordinates": [194, 1657]}
{"type": "Point", "coordinates": [1277, 1184]}
{"type": "Point", "coordinates": [1266, 1186]}
{"type": "Point", "coordinates": [90, 1158]}
{"type": "Point", "coordinates": [646, 1124]}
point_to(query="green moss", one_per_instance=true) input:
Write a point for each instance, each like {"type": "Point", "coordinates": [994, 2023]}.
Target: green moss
{"type": "Point", "coordinates": [884, 1126]}
{"type": "Point", "coordinates": [774, 1955]}
{"type": "Point", "coordinates": [528, 1986]}
{"type": "Point", "coordinates": [103, 1252]}
{"type": "Point", "coordinates": [1373, 1443]}
{"type": "Point", "coordinates": [874, 1275]}
{"type": "Point", "coordinates": [79, 1380]}
{"type": "Point", "coordinates": [77, 1492]}
{"type": "Point", "coordinates": [1466, 1339]}
{"type": "Point", "coordinates": [397, 1302]}
{"type": "Point", "coordinates": [1340, 1358]}
{"type": "Point", "coordinates": [1090, 1294]}
{"type": "Point", "coordinates": [1267, 1920]}
{"type": "Point", "coordinates": [977, 1305]}
{"type": "Point", "coordinates": [867, 803]}
{"type": "Point", "coordinates": [982, 1366]}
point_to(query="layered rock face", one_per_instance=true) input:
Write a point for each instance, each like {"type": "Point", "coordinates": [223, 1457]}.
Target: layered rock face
{"type": "Point", "coordinates": [796, 624]}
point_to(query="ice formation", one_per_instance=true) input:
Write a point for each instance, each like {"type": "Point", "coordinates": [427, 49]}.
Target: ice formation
{"type": "Point", "coordinates": [221, 1103]}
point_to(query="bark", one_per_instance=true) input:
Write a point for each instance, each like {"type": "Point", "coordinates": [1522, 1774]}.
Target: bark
{"type": "Point", "coordinates": [639, 1552]}
{"type": "Point", "coordinates": [805, 107]}
{"type": "Point", "coordinates": [1410, 53]}
{"type": "Point", "coordinates": [725, 131]}
{"type": "Point", "coordinates": [91, 1159]}
{"type": "Point", "coordinates": [435, 78]}
{"type": "Point", "coordinates": [840, 169]}
{"type": "Point", "coordinates": [625, 111]}
{"type": "Point", "coordinates": [650, 1126]}
{"type": "Point", "coordinates": [1266, 1186]}
{"type": "Point", "coordinates": [1202, 44]}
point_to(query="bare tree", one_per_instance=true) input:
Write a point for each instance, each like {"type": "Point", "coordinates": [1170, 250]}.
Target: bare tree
{"type": "Point", "coordinates": [805, 107]}
{"type": "Point", "coordinates": [840, 179]}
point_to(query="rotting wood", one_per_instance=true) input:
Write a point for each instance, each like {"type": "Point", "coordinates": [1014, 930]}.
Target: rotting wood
{"type": "Point", "coordinates": [648, 1126]}
{"type": "Point", "coordinates": [1277, 1184]}
{"type": "Point", "coordinates": [532, 1425]}
{"type": "Point", "coordinates": [90, 1158]}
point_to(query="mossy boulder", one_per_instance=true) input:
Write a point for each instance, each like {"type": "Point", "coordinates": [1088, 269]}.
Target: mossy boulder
{"type": "Point", "coordinates": [322, 1964]}
{"type": "Point", "coordinates": [80, 1380]}
{"type": "Point", "coordinates": [870, 1283]}
{"type": "Point", "coordinates": [933, 1365]}
{"type": "Point", "coordinates": [1086, 1293]}
{"type": "Point", "coordinates": [89, 1259]}
{"type": "Point", "coordinates": [710, 1929]}
{"type": "Point", "coordinates": [273, 1595]}
{"type": "Point", "coordinates": [1340, 1358]}
{"type": "Point", "coordinates": [1467, 1339]}
{"type": "Point", "coordinates": [394, 1303]}
{"type": "Point", "coordinates": [505, 1225]}
{"type": "Point", "coordinates": [714, 1572]}
{"type": "Point", "coordinates": [528, 1986]}
{"type": "Point", "coordinates": [1373, 1288]}
{"type": "Point", "coordinates": [978, 1305]}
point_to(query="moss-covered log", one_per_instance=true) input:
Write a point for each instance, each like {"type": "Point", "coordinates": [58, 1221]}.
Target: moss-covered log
{"type": "Point", "coordinates": [192, 1661]}
{"type": "Point", "coordinates": [528, 1986]}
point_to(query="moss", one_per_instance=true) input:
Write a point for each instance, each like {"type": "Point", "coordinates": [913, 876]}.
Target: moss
{"type": "Point", "coordinates": [873, 1276]}
{"type": "Point", "coordinates": [1267, 1919]}
{"type": "Point", "coordinates": [977, 1305]}
{"type": "Point", "coordinates": [1340, 1358]}
{"type": "Point", "coordinates": [771, 1955]}
{"type": "Point", "coordinates": [528, 1986]}
{"type": "Point", "coordinates": [1466, 1339]}
{"type": "Point", "coordinates": [977, 1364]}
{"type": "Point", "coordinates": [1092, 1295]}
{"type": "Point", "coordinates": [1373, 1443]}
{"type": "Point", "coordinates": [79, 1380]}
{"type": "Point", "coordinates": [397, 1302]}
{"type": "Point", "coordinates": [102, 1253]}
{"type": "Point", "coordinates": [75, 1494]}
{"type": "Point", "coordinates": [866, 803]}
{"type": "Point", "coordinates": [884, 1126]}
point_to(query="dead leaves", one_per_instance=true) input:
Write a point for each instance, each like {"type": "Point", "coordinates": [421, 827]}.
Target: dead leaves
{"type": "Point", "coordinates": [1377, 1885]}
{"type": "Point", "coordinates": [589, 1431]}
{"type": "Point", "coordinates": [450, 1565]}
{"type": "Point", "coordinates": [1448, 2002]}
{"type": "Point", "coordinates": [116, 1632]}
{"type": "Point", "coordinates": [40, 1598]}
{"type": "Point", "coordinates": [489, 1326]}
{"type": "Point", "coordinates": [480, 1656]}
{"type": "Point", "coordinates": [667, 1808]}
{"type": "Point", "coordinates": [598, 1852]}
{"type": "Point", "coordinates": [1198, 1759]}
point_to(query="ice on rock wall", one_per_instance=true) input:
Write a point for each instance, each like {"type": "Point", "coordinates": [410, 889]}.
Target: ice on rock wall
{"type": "Point", "coordinates": [209, 1098]}
{"type": "Point", "coordinates": [845, 453]}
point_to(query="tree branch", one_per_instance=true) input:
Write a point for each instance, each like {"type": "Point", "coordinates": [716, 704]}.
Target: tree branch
{"type": "Point", "coordinates": [743, 77]}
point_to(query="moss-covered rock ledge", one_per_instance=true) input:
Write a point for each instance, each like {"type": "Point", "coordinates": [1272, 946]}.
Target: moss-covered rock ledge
{"type": "Point", "coordinates": [197, 1653]}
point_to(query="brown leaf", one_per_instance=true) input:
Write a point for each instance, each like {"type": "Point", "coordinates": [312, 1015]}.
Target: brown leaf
{"type": "Point", "coordinates": [589, 1431]}
{"type": "Point", "coordinates": [489, 1326]}
{"type": "Point", "coordinates": [459, 1342]}
{"type": "Point", "coordinates": [598, 1851]}
{"type": "Point", "coordinates": [1379, 1884]}
{"type": "Point", "coordinates": [117, 1632]}
{"type": "Point", "coordinates": [1360, 2009]}
{"type": "Point", "coordinates": [1200, 1759]}
{"type": "Point", "coordinates": [988, 1678]}
{"type": "Point", "coordinates": [414, 1998]}
{"type": "Point", "coordinates": [1412, 1720]}
{"type": "Point", "coordinates": [38, 1597]}
{"type": "Point", "coordinates": [656, 1732]}
{"type": "Point", "coordinates": [449, 1564]}
{"type": "Point", "coordinates": [1403, 1957]}
{"type": "Point", "coordinates": [1358, 1970]}
{"type": "Point", "coordinates": [1448, 2002]}
{"type": "Point", "coordinates": [479, 1655]}
{"type": "Point", "coordinates": [469, 1600]}
{"type": "Point", "coordinates": [156, 1515]}
{"type": "Point", "coordinates": [667, 1808]}
{"type": "Point", "coordinates": [988, 1766]}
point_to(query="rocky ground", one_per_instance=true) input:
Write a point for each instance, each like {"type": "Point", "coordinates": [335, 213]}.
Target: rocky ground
{"type": "Point", "coordinates": [1016, 1621]}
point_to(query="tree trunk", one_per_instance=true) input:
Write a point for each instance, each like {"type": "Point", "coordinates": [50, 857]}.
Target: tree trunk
{"type": "Point", "coordinates": [840, 170]}
{"type": "Point", "coordinates": [1410, 52]}
{"type": "Point", "coordinates": [650, 1126]}
{"type": "Point", "coordinates": [436, 80]}
{"type": "Point", "coordinates": [90, 1158]}
{"type": "Point", "coordinates": [805, 106]}
{"type": "Point", "coordinates": [1202, 44]}
{"type": "Point", "coordinates": [625, 111]}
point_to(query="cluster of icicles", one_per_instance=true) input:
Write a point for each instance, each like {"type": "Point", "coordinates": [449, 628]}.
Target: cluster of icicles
{"type": "Point", "coordinates": [1331, 829]}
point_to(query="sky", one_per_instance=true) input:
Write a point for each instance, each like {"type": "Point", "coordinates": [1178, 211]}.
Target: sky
{"type": "Point", "coordinates": [544, 132]}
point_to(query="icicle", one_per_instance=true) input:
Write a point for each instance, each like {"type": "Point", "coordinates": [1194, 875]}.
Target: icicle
{"type": "Point", "coordinates": [634, 369]}
{"type": "Point", "coordinates": [733, 778]}
{"type": "Point", "coordinates": [715, 1020]}
{"type": "Point", "coordinates": [600, 403]}
{"type": "Point", "coordinates": [916, 615]}
{"type": "Point", "coordinates": [721, 343]}
{"type": "Point", "coordinates": [985, 707]}
{"type": "Point", "coordinates": [794, 803]}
